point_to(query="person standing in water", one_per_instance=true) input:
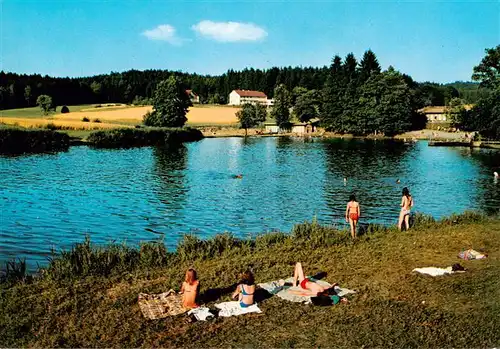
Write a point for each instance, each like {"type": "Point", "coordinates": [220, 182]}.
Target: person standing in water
{"type": "Point", "coordinates": [352, 214]}
{"type": "Point", "coordinates": [406, 205]}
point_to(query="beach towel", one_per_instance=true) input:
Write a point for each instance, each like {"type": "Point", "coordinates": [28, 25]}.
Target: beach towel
{"type": "Point", "coordinates": [201, 314]}
{"type": "Point", "coordinates": [158, 306]}
{"type": "Point", "coordinates": [433, 271]}
{"type": "Point", "coordinates": [292, 294]}
{"type": "Point", "coordinates": [471, 254]}
{"type": "Point", "coordinates": [233, 309]}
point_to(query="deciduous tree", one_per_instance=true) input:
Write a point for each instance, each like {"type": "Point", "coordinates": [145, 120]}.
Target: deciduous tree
{"type": "Point", "coordinates": [170, 104]}
{"type": "Point", "coordinates": [250, 115]}
{"type": "Point", "coordinates": [45, 103]}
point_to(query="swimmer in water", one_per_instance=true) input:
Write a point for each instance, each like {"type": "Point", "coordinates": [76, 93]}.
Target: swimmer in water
{"type": "Point", "coordinates": [238, 176]}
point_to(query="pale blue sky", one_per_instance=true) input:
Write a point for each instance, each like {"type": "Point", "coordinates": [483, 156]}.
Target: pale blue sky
{"type": "Point", "coordinates": [430, 41]}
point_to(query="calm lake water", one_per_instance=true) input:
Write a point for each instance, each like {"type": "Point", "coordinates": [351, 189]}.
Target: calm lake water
{"type": "Point", "coordinates": [54, 200]}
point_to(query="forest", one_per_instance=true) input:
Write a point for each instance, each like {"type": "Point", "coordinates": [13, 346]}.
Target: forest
{"type": "Point", "coordinates": [21, 90]}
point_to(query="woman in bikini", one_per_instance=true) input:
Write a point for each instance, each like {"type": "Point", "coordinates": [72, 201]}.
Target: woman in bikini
{"type": "Point", "coordinates": [308, 285]}
{"type": "Point", "coordinates": [189, 289]}
{"type": "Point", "coordinates": [245, 289]}
{"type": "Point", "coordinates": [406, 205]}
{"type": "Point", "coordinates": [352, 214]}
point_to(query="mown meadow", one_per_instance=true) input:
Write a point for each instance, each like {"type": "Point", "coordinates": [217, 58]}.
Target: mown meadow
{"type": "Point", "coordinates": [87, 297]}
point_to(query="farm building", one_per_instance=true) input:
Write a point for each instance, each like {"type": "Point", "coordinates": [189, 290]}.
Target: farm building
{"type": "Point", "coordinates": [437, 114]}
{"type": "Point", "coordinates": [239, 97]}
{"type": "Point", "coordinates": [296, 127]}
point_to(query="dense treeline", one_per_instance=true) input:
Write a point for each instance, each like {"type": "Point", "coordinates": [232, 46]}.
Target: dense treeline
{"type": "Point", "coordinates": [485, 115]}
{"type": "Point", "coordinates": [19, 91]}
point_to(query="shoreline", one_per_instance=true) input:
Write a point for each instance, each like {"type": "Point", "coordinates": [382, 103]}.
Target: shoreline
{"type": "Point", "coordinates": [95, 304]}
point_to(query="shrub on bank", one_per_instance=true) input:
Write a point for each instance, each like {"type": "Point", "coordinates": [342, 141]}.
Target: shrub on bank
{"type": "Point", "coordinates": [18, 141]}
{"type": "Point", "coordinates": [133, 137]}
{"type": "Point", "coordinates": [87, 259]}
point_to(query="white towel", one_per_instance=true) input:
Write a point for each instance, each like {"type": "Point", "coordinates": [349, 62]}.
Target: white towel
{"type": "Point", "coordinates": [433, 271]}
{"type": "Point", "coordinates": [201, 314]}
{"type": "Point", "coordinates": [233, 308]}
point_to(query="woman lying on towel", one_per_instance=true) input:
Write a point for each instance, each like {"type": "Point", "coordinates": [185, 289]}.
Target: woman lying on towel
{"type": "Point", "coordinates": [311, 288]}
{"type": "Point", "coordinates": [245, 289]}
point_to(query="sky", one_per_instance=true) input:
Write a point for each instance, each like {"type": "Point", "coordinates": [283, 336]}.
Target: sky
{"type": "Point", "coordinates": [430, 41]}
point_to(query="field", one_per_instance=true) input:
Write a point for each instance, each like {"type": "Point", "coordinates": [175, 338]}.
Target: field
{"type": "Point", "coordinates": [112, 116]}
{"type": "Point", "coordinates": [95, 306]}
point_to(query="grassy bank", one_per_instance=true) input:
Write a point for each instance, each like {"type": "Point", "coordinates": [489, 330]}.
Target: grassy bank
{"type": "Point", "coordinates": [87, 297]}
{"type": "Point", "coordinates": [125, 138]}
{"type": "Point", "coordinates": [17, 141]}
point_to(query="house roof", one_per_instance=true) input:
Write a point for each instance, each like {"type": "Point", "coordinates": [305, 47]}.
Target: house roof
{"type": "Point", "coordinates": [440, 109]}
{"type": "Point", "coordinates": [249, 93]}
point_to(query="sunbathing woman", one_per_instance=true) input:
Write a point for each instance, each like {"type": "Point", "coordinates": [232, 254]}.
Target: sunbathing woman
{"type": "Point", "coordinates": [245, 289]}
{"type": "Point", "coordinates": [189, 289]}
{"type": "Point", "coordinates": [352, 214]}
{"type": "Point", "coordinates": [406, 205]}
{"type": "Point", "coordinates": [310, 287]}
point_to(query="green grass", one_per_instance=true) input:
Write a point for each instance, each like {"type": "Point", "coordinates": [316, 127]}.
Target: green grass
{"type": "Point", "coordinates": [89, 297]}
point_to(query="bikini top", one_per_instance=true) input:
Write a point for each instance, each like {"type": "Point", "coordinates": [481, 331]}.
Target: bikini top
{"type": "Point", "coordinates": [243, 291]}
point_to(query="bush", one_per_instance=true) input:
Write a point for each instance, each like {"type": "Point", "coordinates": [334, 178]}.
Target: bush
{"type": "Point", "coordinates": [18, 141]}
{"type": "Point", "coordinates": [466, 217]}
{"type": "Point", "coordinates": [97, 120]}
{"type": "Point", "coordinates": [64, 109]}
{"type": "Point", "coordinates": [133, 137]}
{"type": "Point", "coordinates": [85, 119]}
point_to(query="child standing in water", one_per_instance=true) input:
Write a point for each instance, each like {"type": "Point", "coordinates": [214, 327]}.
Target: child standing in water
{"type": "Point", "coordinates": [189, 289]}
{"type": "Point", "coordinates": [352, 214]}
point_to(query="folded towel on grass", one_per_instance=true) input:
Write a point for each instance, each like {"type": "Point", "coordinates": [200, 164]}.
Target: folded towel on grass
{"type": "Point", "coordinates": [233, 308]}
{"type": "Point", "coordinates": [293, 294]}
{"type": "Point", "coordinates": [433, 271]}
{"type": "Point", "coordinates": [471, 254]}
{"type": "Point", "coordinates": [158, 306]}
{"type": "Point", "coordinates": [201, 314]}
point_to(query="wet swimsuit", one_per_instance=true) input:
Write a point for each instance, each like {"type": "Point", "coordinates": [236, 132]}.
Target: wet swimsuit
{"type": "Point", "coordinates": [244, 305]}
{"type": "Point", "coordinates": [303, 283]}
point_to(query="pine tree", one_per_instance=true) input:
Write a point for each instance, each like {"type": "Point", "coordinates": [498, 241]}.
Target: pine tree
{"type": "Point", "coordinates": [368, 66]}
{"type": "Point", "coordinates": [281, 108]}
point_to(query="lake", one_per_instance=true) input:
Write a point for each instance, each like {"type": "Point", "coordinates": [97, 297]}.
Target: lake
{"type": "Point", "coordinates": [54, 200]}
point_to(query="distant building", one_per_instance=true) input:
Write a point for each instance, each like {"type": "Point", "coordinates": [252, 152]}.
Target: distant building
{"type": "Point", "coordinates": [296, 127]}
{"type": "Point", "coordinates": [193, 96]}
{"type": "Point", "coordinates": [436, 114]}
{"type": "Point", "coordinates": [239, 97]}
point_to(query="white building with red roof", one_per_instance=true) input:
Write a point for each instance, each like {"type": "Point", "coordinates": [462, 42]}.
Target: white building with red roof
{"type": "Point", "coordinates": [239, 97]}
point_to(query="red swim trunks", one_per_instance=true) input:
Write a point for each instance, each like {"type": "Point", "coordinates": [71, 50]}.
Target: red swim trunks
{"type": "Point", "coordinates": [303, 283]}
{"type": "Point", "coordinates": [354, 216]}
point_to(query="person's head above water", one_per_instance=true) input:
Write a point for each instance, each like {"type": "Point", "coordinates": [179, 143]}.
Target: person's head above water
{"type": "Point", "coordinates": [352, 197]}
{"type": "Point", "coordinates": [406, 192]}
